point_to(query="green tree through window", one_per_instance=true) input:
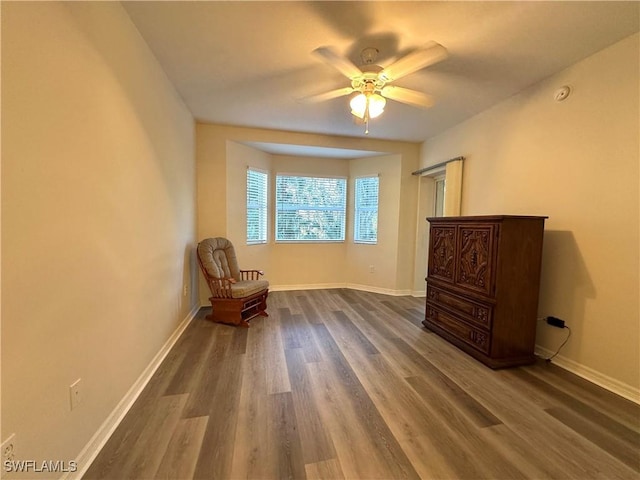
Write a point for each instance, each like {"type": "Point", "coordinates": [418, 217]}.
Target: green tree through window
{"type": "Point", "coordinates": [310, 209]}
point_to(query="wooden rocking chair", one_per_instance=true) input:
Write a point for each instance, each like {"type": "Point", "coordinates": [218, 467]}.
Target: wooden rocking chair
{"type": "Point", "coordinates": [237, 295]}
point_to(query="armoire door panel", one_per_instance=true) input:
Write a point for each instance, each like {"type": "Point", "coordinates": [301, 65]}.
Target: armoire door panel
{"type": "Point", "coordinates": [475, 257]}
{"type": "Point", "coordinates": [442, 253]}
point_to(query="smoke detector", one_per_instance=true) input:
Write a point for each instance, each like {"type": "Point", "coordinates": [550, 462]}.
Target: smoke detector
{"type": "Point", "coordinates": [562, 93]}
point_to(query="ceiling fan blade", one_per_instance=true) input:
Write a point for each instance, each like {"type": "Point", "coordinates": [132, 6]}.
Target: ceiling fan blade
{"type": "Point", "coordinates": [428, 55]}
{"type": "Point", "coordinates": [343, 65]}
{"type": "Point", "coordinates": [405, 95]}
{"type": "Point", "coordinates": [340, 92]}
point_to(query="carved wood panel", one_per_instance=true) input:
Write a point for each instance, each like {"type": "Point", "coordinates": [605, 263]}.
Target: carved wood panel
{"type": "Point", "coordinates": [475, 257]}
{"type": "Point", "coordinates": [442, 258]}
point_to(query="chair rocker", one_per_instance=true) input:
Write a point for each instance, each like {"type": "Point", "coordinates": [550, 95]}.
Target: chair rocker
{"type": "Point", "coordinates": [237, 295]}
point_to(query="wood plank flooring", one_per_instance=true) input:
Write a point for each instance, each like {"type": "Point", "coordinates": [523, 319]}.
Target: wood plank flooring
{"type": "Point", "coordinates": [346, 384]}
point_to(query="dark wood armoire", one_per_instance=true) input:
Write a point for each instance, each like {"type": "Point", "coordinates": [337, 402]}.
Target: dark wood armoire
{"type": "Point", "coordinates": [482, 285]}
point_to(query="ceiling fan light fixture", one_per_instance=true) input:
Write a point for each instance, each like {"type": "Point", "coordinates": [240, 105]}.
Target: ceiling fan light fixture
{"type": "Point", "coordinates": [376, 105]}
{"type": "Point", "coordinates": [369, 82]}
{"type": "Point", "coordinates": [369, 105]}
{"type": "Point", "coordinates": [358, 105]}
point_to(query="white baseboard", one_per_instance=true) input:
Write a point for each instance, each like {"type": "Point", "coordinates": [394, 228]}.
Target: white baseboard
{"type": "Point", "coordinates": [313, 286]}
{"type": "Point", "coordinates": [611, 384]}
{"type": "Point", "coordinates": [99, 439]}
{"type": "Point", "coordinates": [353, 286]}
{"type": "Point", "coordinates": [383, 291]}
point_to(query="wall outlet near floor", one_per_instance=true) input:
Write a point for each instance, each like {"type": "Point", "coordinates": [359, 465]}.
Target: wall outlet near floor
{"type": "Point", "coordinates": [372, 269]}
{"type": "Point", "coordinates": [75, 394]}
{"type": "Point", "coordinates": [9, 449]}
{"type": "Point", "coordinates": [184, 290]}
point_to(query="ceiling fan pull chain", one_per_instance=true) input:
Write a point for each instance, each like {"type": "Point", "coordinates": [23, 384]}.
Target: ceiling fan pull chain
{"type": "Point", "coordinates": [366, 111]}
{"type": "Point", "coordinates": [366, 117]}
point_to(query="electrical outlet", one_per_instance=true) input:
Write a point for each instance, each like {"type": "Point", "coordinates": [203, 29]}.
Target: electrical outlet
{"type": "Point", "coordinates": [184, 290]}
{"type": "Point", "coordinates": [372, 269]}
{"type": "Point", "coordinates": [75, 394]}
{"type": "Point", "coordinates": [9, 449]}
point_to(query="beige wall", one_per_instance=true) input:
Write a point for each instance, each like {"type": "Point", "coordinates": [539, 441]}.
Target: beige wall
{"type": "Point", "coordinates": [383, 256]}
{"type": "Point", "coordinates": [222, 163]}
{"type": "Point", "coordinates": [98, 218]}
{"type": "Point", "coordinates": [303, 264]}
{"type": "Point", "coordinates": [577, 162]}
{"type": "Point", "coordinates": [240, 158]}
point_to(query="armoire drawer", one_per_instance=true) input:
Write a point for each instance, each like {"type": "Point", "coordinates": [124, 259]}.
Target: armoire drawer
{"type": "Point", "coordinates": [475, 312]}
{"type": "Point", "coordinates": [475, 337]}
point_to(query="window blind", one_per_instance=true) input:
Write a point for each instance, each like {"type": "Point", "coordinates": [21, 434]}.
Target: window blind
{"type": "Point", "coordinates": [366, 210]}
{"type": "Point", "coordinates": [310, 209]}
{"type": "Point", "coordinates": [256, 206]}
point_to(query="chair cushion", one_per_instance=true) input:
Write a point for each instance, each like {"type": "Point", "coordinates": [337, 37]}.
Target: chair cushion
{"type": "Point", "coordinates": [218, 258]}
{"type": "Point", "coordinates": [245, 288]}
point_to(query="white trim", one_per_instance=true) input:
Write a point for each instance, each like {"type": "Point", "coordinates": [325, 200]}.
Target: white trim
{"type": "Point", "coordinates": [312, 286]}
{"type": "Point", "coordinates": [258, 169]}
{"type": "Point", "coordinates": [307, 242]}
{"type": "Point", "coordinates": [384, 291]}
{"type": "Point", "coordinates": [99, 439]}
{"type": "Point", "coordinates": [311, 175]}
{"type": "Point", "coordinates": [604, 381]}
{"type": "Point", "coordinates": [352, 286]}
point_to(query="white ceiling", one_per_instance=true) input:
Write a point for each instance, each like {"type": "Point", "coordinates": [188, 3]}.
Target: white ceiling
{"type": "Point", "coordinates": [249, 63]}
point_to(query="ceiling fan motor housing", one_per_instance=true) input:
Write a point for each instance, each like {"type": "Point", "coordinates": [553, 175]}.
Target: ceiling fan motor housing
{"type": "Point", "coordinates": [368, 82]}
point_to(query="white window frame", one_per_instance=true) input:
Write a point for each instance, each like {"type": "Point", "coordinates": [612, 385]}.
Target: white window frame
{"type": "Point", "coordinates": [339, 208]}
{"type": "Point", "coordinates": [360, 209]}
{"type": "Point", "coordinates": [261, 206]}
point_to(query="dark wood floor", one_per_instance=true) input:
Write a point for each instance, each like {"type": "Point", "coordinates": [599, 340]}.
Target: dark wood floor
{"type": "Point", "coordinates": [348, 384]}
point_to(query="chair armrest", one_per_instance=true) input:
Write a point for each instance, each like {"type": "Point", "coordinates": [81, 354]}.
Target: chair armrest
{"type": "Point", "coordinates": [220, 287]}
{"type": "Point", "coordinates": [250, 274]}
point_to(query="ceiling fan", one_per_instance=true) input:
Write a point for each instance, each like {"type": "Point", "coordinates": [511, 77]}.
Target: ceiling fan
{"type": "Point", "coordinates": [371, 81]}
